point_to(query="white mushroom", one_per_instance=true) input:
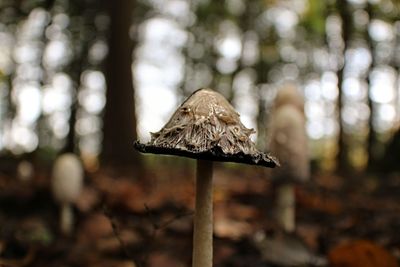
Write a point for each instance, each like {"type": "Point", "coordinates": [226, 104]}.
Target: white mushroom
{"type": "Point", "coordinates": [288, 141]}
{"type": "Point", "coordinates": [207, 128]}
{"type": "Point", "coordinates": [67, 180]}
{"type": "Point", "coordinates": [289, 95]}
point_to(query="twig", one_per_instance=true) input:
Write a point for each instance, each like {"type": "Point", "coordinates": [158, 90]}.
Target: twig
{"type": "Point", "coordinates": [165, 224]}
{"type": "Point", "coordinates": [116, 231]}
{"type": "Point", "coordinates": [160, 226]}
{"type": "Point", "coordinates": [156, 227]}
{"type": "Point", "coordinates": [175, 218]}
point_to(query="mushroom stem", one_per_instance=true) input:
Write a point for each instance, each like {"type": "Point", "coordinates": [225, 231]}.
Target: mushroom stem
{"type": "Point", "coordinates": [286, 207]}
{"type": "Point", "coordinates": [66, 219]}
{"type": "Point", "coordinates": [203, 217]}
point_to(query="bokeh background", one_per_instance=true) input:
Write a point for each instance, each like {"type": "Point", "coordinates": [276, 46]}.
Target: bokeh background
{"type": "Point", "coordinates": [92, 76]}
{"type": "Point", "coordinates": [344, 55]}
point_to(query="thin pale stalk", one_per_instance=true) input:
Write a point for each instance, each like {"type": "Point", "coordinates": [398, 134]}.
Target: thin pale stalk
{"type": "Point", "coordinates": [66, 219]}
{"type": "Point", "coordinates": [203, 217]}
{"type": "Point", "coordinates": [286, 207]}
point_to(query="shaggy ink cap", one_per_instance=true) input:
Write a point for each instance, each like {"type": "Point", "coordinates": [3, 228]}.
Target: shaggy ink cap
{"type": "Point", "coordinates": [207, 127]}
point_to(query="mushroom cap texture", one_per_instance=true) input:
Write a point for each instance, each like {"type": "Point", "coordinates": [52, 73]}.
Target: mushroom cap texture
{"type": "Point", "coordinates": [288, 139]}
{"type": "Point", "coordinates": [67, 178]}
{"type": "Point", "coordinates": [207, 127]}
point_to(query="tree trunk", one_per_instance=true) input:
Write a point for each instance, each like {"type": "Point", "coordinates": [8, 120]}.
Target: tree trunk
{"type": "Point", "coordinates": [342, 156]}
{"type": "Point", "coordinates": [80, 49]}
{"type": "Point", "coordinates": [372, 140]}
{"type": "Point", "coordinates": [119, 117]}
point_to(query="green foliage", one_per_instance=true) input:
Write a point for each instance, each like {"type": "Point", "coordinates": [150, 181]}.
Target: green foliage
{"type": "Point", "coordinates": [36, 233]}
{"type": "Point", "coordinates": [46, 155]}
{"type": "Point", "coordinates": [314, 19]}
{"type": "Point", "coordinates": [209, 12]}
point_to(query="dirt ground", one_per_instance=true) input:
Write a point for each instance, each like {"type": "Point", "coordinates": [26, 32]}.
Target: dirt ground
{"type": "Point", "coordinates": [126, 220]}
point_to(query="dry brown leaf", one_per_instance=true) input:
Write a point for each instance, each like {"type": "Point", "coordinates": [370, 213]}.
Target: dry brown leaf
{"type": "Point", "coordinates": [361, 253]}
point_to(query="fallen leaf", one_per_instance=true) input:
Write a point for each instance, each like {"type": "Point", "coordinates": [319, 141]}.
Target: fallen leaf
{"type": "Point", "coordinates": [230, 228]}
{"type": "Point", "coordinates": [94, 227]}
{"type": "Point", "coordinates": [88, 198]}
{"type": "Point", "coordinates": [159, 259]}
{"type": "Point", "coordinates": [318, 202]}
{"type": "Point", "coordinates": [361, 253]}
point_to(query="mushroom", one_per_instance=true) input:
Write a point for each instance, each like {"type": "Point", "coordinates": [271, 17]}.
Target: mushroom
{"type": "Point", "coordinates": [288, 94]}
{"type": "Point", "coordinates": [25, 171]}
{"type": "Point", "coordinates": [288, 140]}
{"type": "Point", "coordinates": [206, 128]}
{"type": "Point", "coordinates": [66, 183]}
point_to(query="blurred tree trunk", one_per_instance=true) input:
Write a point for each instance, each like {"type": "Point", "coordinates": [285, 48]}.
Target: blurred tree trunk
{"type": "Point", "coordinates": [372, 138]}
{"type": "Point", "coordinates": [345, 15]}
{"type": "Point", "coordinates": [391, 158]}
{"type": "Point", "coordinates": [78, 9]}
{"type": "Point", "coordinates": [262, 69]}
{"type": "Point", "coordinates": [119, 117]}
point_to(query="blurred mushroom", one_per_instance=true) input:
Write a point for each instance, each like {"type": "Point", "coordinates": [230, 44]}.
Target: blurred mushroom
{"type": "Point", "coordinates": [288, 94]}
{"type": "Point", "coordinates": [25, 171]}
{"type": "Point", "coordinates": [283, 249]}
{"type": "Point", "coordinates": [288, 140]}
{"type": "Point", "coordinates": [207, 128]}
{"type": "Point", "coordinates": [67, 181]}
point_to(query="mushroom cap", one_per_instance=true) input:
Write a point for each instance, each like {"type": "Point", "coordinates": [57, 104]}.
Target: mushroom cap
{"type": "Point", "coordinates": [207, 127]}
{"type": "Point", "coordinates": [288, 139]}
{"type": "Point", "coordinates": [67, 178]}
{"type": "Point", "coordinates": [289, 95]}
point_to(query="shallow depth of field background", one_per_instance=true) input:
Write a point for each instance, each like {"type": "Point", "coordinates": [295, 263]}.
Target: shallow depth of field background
{"type": "Point", "coordinates": [58, 82]}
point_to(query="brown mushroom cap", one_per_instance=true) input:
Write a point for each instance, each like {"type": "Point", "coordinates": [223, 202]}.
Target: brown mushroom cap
{"type": "Point", "coordinates": [207, 127]}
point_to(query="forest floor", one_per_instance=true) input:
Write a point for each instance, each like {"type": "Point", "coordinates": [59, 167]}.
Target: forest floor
{"type": "Point", "coordinates": [127, 220]}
